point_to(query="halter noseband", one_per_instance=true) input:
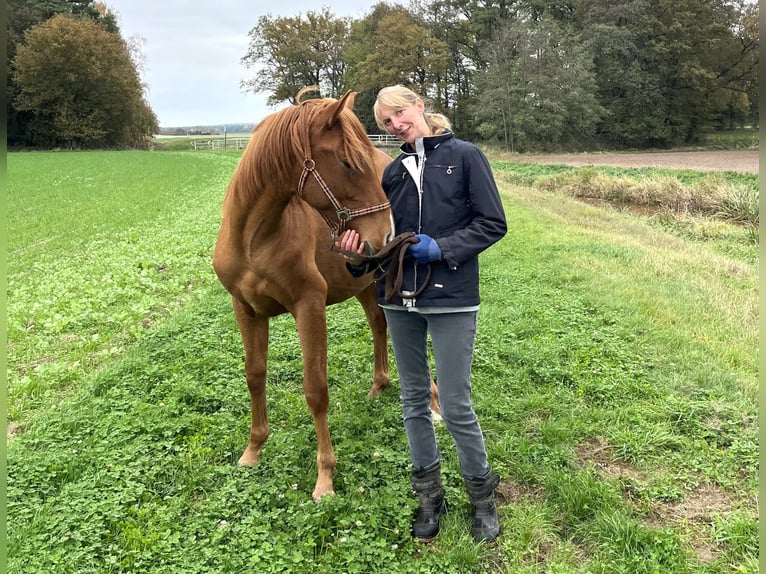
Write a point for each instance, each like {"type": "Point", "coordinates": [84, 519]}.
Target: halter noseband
{"type": "Point", "coordinates": [344, 214]}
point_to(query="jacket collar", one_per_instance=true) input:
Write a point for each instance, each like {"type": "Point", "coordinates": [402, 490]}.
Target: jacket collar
{"type": "Point", "coordinates": [429, 143]}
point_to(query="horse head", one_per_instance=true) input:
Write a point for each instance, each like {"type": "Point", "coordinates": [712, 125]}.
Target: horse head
{"type": "Point", "coordinates": [341, 171]}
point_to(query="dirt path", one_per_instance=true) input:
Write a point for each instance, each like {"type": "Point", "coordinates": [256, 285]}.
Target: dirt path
{"type": "Point", "coordinates": [743, 161]}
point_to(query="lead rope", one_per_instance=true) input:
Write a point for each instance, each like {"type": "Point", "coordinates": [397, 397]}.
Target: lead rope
{"type": "Point", "coordinates": [393, 255]}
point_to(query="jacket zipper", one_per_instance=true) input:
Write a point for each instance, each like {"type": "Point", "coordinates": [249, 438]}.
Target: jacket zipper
{"type": "Point", "coordinates": [420, 148]}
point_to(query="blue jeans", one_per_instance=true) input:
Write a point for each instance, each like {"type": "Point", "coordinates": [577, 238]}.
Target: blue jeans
{"type": "Point", "coordinates": [452, 338]}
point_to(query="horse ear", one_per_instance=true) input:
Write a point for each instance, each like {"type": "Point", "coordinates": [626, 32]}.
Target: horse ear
{"type": "Point", "coordinates": [334, 111]}
{"type": "Point", "coordinates": [349, 98]}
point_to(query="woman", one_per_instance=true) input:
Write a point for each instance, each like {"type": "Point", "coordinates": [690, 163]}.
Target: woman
{"type": "Point", "coordinates": [442, 189]}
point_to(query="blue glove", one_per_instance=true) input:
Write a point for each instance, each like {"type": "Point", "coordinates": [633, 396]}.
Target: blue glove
{"type": "Point", "coordinates": [426, 250]}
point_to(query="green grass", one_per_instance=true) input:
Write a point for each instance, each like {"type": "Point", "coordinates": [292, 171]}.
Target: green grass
{"type": "Point", "coordinates": [615, 380]}
{"type": "Point", "coordinates": [101, 246]}
{"type": "Point", "coordinates": [719, 209]}
{"type": "Point", "coordinates": [727, 196]}
{"type": "Point", "coordinates": [742, 138]}
{"type": "Point", "coordinates": [531, 173]}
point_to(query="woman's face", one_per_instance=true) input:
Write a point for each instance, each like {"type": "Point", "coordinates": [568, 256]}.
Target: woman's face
{"type": "Point", "coordinates": [406, 123]}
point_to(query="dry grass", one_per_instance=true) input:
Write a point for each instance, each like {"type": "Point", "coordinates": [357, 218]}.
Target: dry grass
{"type": "Point", "coordinates": [713, 196]}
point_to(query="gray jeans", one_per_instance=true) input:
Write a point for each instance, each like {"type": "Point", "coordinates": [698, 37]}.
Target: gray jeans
{"type": "Point", "coordinates": [452, 338]}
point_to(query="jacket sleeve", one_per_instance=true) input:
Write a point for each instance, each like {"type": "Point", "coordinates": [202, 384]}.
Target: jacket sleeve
{"type": "Point", "coordinates": [488, 224]}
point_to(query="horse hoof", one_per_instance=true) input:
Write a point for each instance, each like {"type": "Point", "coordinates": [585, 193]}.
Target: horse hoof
{"type": "Point", "coordinates": [374, 393]}
{"type": "Point", "coordinates": [318, 498]}
{"type": "Point", "coordinates": [248, 459]}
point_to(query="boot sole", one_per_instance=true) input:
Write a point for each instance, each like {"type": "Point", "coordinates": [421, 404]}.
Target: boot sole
{"type": "Point", "coordinates": [425, 540]}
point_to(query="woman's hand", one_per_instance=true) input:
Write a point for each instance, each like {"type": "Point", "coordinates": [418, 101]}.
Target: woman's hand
{"type": "Point", "coordinates": [349, 241]}
{"type": "Point", "coordinates": [426, 250]}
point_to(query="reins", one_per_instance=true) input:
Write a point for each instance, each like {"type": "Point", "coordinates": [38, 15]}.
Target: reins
{"type": "Point", "coordinates": [391, 255]}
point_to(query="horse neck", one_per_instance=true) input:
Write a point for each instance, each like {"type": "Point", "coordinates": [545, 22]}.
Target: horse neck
{"type": "Point", "coordinates": [258, 206]}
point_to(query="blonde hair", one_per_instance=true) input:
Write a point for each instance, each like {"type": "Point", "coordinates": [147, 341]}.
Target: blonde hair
{"type": "Point", "coordinates": [399, 97]}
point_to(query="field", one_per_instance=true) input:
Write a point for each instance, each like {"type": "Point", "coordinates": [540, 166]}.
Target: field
{"type": "Point", "coordinates": [741, 161]}
{"type": "Point", "coordinates": [616, 380]}
{"type": "Point", "coordinates": [186, 143]}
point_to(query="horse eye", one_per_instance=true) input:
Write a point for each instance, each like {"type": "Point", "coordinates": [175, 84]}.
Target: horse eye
{"type": "Point", "coordinates": [346, 163]}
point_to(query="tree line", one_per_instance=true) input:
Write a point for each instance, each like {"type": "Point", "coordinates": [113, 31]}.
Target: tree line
{"type": "Point", "coordinates": [531, 74]}
{"type": "Point", "coordinates": [73, 81]}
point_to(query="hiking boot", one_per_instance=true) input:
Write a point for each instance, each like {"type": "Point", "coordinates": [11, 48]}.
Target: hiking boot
{"type": "Point", "coordinates": [481, 491]}
{"type": "Point", "coordinates": [427, 484]}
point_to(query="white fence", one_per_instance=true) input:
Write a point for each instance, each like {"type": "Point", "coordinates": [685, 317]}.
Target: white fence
{"type": "Point", "coordinates": [226, 143]}
{"type": "Point", "coordinates": [384, 140]}
{"type": "Point", "coordinates": [378, 140]}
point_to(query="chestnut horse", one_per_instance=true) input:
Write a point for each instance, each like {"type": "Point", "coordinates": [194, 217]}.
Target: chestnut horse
{"type": "Point", "coordinates": [308, 173]}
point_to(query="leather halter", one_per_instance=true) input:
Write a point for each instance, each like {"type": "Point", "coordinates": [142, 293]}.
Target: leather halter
{"type": "Point", "coordinates": [309, 166]}
{"type": "Point", "coordinates": [344, 214]}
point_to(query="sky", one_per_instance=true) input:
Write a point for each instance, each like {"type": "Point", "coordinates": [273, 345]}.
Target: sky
{"type": "Point", "coordinates": [192, 52]}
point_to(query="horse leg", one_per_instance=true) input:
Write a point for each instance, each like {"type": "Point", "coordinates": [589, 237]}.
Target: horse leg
{"type": "Point", "coordinates": [255, 337]}
{"type": "Point", "coordinates": [376, 319]}
{"type": "Point", "coordinates": [311, 320]}
{"type": "Point", "coordinates": [436, 411]}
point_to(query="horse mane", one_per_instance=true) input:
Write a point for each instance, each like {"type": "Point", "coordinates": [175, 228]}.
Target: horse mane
{"type": "Point", "coordinates": [277, 145]}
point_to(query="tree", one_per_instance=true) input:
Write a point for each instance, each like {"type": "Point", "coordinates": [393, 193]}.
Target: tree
{"type": "Point", "coordinates": [291, 53]}
{"type": "Point", "coordinates": [629, 89]}
{"type": "Point", "coordinates": [404, 53]}
{"type": "Point", "coordinates": [689, 38]}
{"type": "Point", "coordinates": [391, 46]}
{"type": "Point", "coordinates": [23, 15]}
{"type": "Point", "coordinates": [78, 82]}
{"type": "Point", "coordinates": [500, 107]}
{"type": "Point", "coordinates": [457, 91]}
{"type": "Point", "coordinates": [737, 70]}
{"type": "Point", "coordinates": [361, 44]}
{"type": "Point", "coordinates": [538, 88]}
{"type": "Point", "coordinates": [533, 73]}
{"type": "Point", "coordinates": [667, 69]}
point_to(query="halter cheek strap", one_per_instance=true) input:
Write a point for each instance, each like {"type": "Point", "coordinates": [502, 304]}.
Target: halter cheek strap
{"type": "Point", "coordinates": [343, 214]}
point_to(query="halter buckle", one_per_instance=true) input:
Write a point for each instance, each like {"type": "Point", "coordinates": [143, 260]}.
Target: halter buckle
{"type": "Point", "coordinates": [344, 214]}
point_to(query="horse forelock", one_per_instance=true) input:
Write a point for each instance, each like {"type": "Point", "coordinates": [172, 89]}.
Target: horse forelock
{"type": "Point", "coordinates": [357, 148]}
{"type": "Point", "coordinates": [277, 146]}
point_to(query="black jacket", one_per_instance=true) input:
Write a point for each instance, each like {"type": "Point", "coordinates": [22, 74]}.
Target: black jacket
{"type": "Point", "coordinates": [460, 208]}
